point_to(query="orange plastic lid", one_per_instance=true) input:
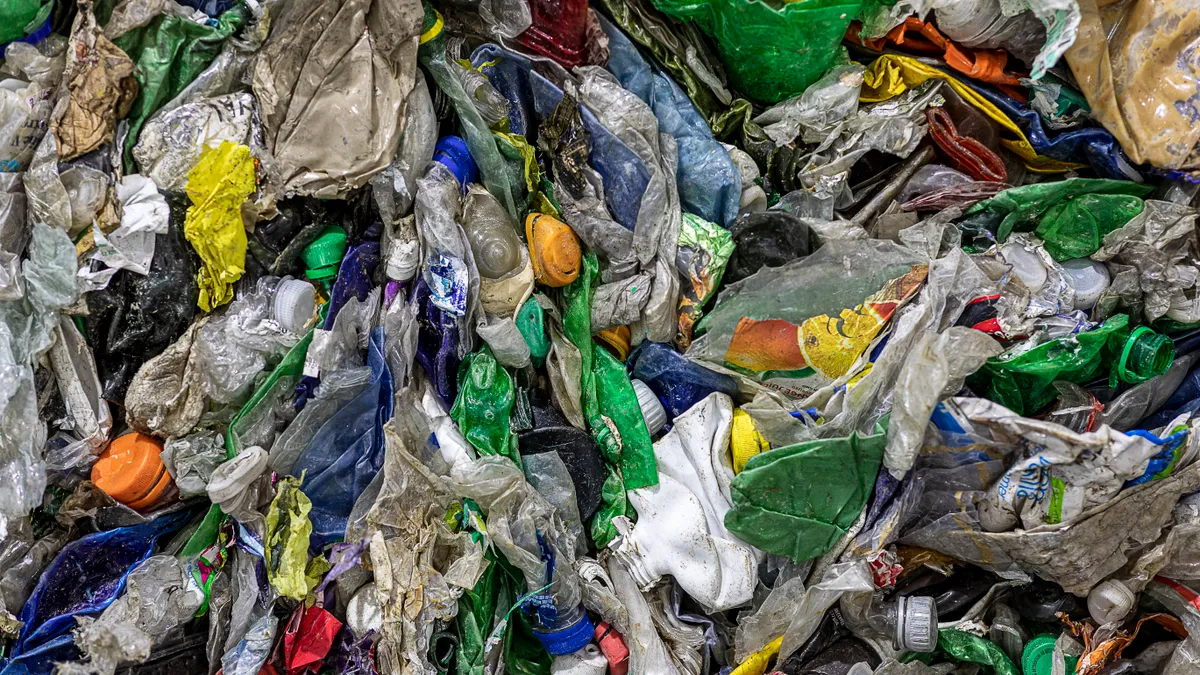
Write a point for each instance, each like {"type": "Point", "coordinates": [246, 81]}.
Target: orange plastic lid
{"type": "Point", "coordinates": [554, 249]}
{"type": "Point", "coordinates": [131, 471]}
{"type": "Point", "coordinates": [617, 339]}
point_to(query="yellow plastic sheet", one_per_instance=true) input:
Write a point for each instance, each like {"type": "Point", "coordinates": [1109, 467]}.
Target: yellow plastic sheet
{"type": "Point", "coordinates": [286, 545]}
{"type": "Point", "coordinates": [217, 186]}
{"type": "Point", "coordinates": [756, 663]}
{"type": "Point", "coordinates": [891, 74]}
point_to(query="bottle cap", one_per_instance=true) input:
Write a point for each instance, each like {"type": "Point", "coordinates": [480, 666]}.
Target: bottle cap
{"type": "Point", "coordinates": [452, 152]}
{"type": "Point", "coordinates": [1110, 601]}
{"type": "Point", "coordinates": [1038, 658]}
{"type": "Point", "coordinates": [324, 254]}
{"type": "Point", "coordinates": [617, 339]}
{"type": "Point", "coordinates": [1146, 355]}
{"type": "Point", "coordinates": [570, 639]}
{"type": "Point", "coordinates": [554, 249]}
{"type": "Point", "coordinates": [652, 408]}
{"type": "Point", "coordinates": [1026, 264]}
{"type": "Point", "coordinates": [1089, 278]}
{"type": "Point", "coordinates": [295, 302]}
{"type": "Point", "coordinates": [131, 471]}
{"type": "Point", "coordinates": [613, 647]}
{"type": "Point", "coordinates": [744, 439]}
{"type": "Point", "coordinates": [916, 624]}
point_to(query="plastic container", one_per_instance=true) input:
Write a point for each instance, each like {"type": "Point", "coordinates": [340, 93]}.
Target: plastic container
{"type": "Point", "coordinates": [558, 31]}
{"type": "Point", "coordinates": [652, 409]}
{"type": "Point", "coordinates": [613, 646]}
{"type": "Point", "coordinates": [554, 250]}
{"type": "Point", "coordinates": [1038, 657]}
{"type": "Point", "coordinates": [1090, 279]}
{"type": "Point", "coordinates": [571, 631]}
{"type": "Point", "coordinates": [322, 256]}
{"type": "Point", "coordinates": [771, 53]}
{"type": "Point", "coordinates": [452, 152]}
{"type": "Point", "coordinates": [910, 622]}
{"type": "Point", "coordinates": [131, 471]}
{"type": "Point", "coordinates": [294, 304]}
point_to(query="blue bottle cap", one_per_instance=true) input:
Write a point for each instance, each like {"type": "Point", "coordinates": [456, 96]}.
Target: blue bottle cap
{"type": "Point", "coordinates": [452, 152]}
{"type": "Point", "coordinates": [568, 640]}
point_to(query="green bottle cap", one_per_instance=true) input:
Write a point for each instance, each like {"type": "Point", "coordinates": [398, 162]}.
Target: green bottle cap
{"type": "Point", "coordinates": [324, 254]}
{"type": "Point", "coordinates": [1038, 657]}
{"type": "Point", "coordinates": [1146, 354]}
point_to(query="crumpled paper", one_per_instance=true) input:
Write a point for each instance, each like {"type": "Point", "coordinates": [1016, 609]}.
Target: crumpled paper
{"type": "Point", "coordinates": [100, 87]}
{"type": "Point", "coordinates": [144, 214]}
{"type": "Point", "coordinates": [218, 185]}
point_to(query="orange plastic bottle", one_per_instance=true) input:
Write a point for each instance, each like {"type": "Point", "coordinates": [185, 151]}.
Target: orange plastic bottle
{"type": "Point", "coordinates": [554, 250]}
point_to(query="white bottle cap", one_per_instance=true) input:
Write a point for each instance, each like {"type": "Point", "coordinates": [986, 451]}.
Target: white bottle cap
{"type": "Point", "coordinates": [652, 408]}
{"type": "Point", "coordinates": [916, 624]}
{"type": "Point", "coordinates": [295, 301]}
{"type": "Point", "coordinates": [1110, 601]}
{"type": "Point", "coordinates": [1089, 278]}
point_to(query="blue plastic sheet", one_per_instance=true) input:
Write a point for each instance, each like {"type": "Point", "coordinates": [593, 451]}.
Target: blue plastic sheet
{"type": "Point", "coordinates": [437, 344]}
{"type": "Point", "coordinates": [710, 185]}
{"type": "Point", "coordinates": [1093, 145]}
{"type": "Point", "coordinates": [347, 451]}
{"type": "Point", "coordinates": [532, 97]}
{"type": "Point", "coordinates": [83, 579]}
{"type": "Point", "coordinates": [678, 382]}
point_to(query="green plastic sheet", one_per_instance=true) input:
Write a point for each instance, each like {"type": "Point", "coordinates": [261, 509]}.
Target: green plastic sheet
{"type": "Point", "coordinates": [531, 321]}
{"type": "Point", "coordinates": [1021, 209]}
{"type": "Point", "coordinates": [523, 654]}
{"type": "Point", "coordinates": [19, 18]}
{"type": "Point", "coordinates": [961, 646]}
{"type": "Point", "coordinates": [170, 52]}
{"type": "Point", "coordinates": [799, 500]}
{"type": "Point", "coordinates": [1076, 228]}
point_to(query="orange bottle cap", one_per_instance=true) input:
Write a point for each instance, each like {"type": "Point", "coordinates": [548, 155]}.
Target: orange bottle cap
{"type": "Point", "coordinates": [617, 339]}
{"type": "Point", "coordinates": [131, 471]}
{"type": "Point", "coordinates": [554, 249]}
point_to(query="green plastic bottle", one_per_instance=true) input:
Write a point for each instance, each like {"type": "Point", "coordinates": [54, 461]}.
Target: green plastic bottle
{"type": "Point", "coordinates": [1024, 381]}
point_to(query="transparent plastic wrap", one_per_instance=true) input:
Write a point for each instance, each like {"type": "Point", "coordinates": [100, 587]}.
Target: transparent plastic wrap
{"type": "Point", "coordinates": [233, 348]}
{"type": "Point", "coordinates": [336, 389]}
{"type": "Point", "coordinates": [26, 332]}
{"type": "Point", "coordinates": [753, 327]}
{"type": "Point", "coordinates": [191, 460]}
{"type": "Point", "coordinates": [395, 188]}
{"type": "Point", "coordinates": [170, 144]}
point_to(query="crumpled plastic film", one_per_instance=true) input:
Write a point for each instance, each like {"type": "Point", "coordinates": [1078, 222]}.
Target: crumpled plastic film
{"type": "Point", "coordinates": [218, 185]}
{"type": "Point", "coordinates": [286, 543]}
{"type": "Point", "coordinates": [361, 50]}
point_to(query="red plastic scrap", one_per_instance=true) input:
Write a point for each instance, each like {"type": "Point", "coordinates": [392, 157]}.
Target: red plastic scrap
{"type": "Point", "coordinates": [968, 155]}
{"type": "Point", "coordinates": [308, 639]}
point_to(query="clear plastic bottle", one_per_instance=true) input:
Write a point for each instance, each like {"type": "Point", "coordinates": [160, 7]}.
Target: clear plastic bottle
{"type": "Point", "coordinates": [491, 104]}
{"type": "Point", "coordinates": [493, 235]}
{"type": "Point", "coordinates": [909, 622]}
{"type": "Point", "coordinates": [981, 24]}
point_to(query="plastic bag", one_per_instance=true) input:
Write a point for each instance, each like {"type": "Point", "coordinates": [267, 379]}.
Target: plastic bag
{"type": "Point", "coordinates": [218, 185]}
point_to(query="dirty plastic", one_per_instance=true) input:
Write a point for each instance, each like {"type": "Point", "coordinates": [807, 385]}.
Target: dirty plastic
{"type": "Point", "coordinates": [554, 250]}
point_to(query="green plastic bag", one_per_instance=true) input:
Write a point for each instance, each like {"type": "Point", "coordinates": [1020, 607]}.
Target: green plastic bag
{"type": "Point", "coordinates": [170, 52]}
{"type": "Point", "coordinates": [484, 406]}
{"type": "Point", "coordinates": [771, 52]}
{"type": "Point", "coordinates": [1076, 228]}
{"type": "Point", "coordinates": [799, 500]}
{"type": "Point", "coordinates": [1024, 381]}
{"type": "Point", "coordinates": [19, 18]}
{"type": "Point", "coordinates": [1021, 209]}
